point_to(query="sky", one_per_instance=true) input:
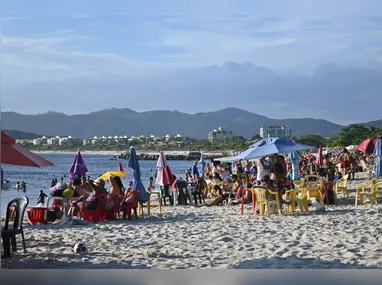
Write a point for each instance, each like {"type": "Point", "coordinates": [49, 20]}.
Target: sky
{"type": "Point", "coordinates": [281, 59]}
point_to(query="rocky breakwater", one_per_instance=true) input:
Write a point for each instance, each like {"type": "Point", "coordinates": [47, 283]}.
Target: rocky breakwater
{"type": "Point", "coordinates": [171, 156]}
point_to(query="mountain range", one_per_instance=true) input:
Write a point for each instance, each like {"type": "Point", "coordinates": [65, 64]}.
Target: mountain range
{"type": "Point", "coordinates": [111, 122]}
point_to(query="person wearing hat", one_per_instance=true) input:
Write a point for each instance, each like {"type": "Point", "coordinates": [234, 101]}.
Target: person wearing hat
{"type": "Point", "coordinates": [91, 201]}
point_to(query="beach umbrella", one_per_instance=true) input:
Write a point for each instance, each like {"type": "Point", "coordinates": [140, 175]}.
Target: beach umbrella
{"type": "Point", "coordinates": [295, 160]}
{"type": "Point", "coordinates": [133, 163]}
{"type": "Point", "coordinates": [203, 163]}
{"type": "Point", "coordinates": [319, 159]}
{"type": "Point", "coordinates": [164, 176]}
{"type": "Point", "coordinates": [378, 152]}
{"type": "Point", "coordinates": [78, 168]}
{"type": "Point", "coordinates": [270, 146]}
{"type": "Point", "coordinates": [120, 174]}
{"type": "Point", "coordinates": [329, 151]}
{"type": "Point", "coordinates": [14, 154]}
{"type": "Point", "coordinates": [368, 145]}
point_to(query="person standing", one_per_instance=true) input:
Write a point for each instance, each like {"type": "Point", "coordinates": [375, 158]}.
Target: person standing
{"type": "Point", "coordinates": [195, 171]}
{"type": "Point", "coordinates": [23, 186]}
{"type": "Point", "coordinates": [18, 186]}
{"type": "Point", "coordinates": [41, 198]}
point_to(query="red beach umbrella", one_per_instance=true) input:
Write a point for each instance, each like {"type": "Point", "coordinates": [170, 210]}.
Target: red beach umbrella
{"type": "Point", "coordinates": [15, 154]}
{"type": "Point", "coordinates": [164, 175]}
{"type": "Point", "coordinates": [368, 145]}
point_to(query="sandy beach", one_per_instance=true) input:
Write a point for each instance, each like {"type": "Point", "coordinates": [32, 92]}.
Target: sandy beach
{"type": "Point", "coordinates": [344, 236]}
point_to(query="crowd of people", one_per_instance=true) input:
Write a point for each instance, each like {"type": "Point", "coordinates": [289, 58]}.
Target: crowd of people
{"type": "Point", "coordinates": [224, 182]}
{"type": "Point", "coordinates": [221, 182]}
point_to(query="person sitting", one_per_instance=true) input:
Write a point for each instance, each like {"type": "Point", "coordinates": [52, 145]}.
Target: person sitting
{"type": "Point", "coordinates": [269, 184]}
{"type": "Point", "coordinates": [91, 202]}
{"type": "Point", "coordinates": [114, 191]}
{"type": "Point", "coordinates": [237, 189]}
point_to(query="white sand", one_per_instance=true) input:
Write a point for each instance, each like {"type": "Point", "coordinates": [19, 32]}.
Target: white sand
{"type": "Point", "coordinates": [188, 237]}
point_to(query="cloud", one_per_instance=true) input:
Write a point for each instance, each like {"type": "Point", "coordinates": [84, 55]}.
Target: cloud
{"type": "Point", "coordinates": [173, 62]}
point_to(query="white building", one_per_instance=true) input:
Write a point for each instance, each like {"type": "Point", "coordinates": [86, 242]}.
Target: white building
{"type": "Point", "coordinates": [53, 141]}
{"type": "Point", "coordinates": [275, 131]}
{"type": "Point", "coordinates": [220, 134]}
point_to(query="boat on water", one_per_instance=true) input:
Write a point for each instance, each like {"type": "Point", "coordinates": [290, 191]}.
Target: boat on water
{"type": "Point", "coordinates": [7, 185]}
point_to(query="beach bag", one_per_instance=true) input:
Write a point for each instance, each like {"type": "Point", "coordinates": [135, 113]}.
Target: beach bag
{"type": "Point", "coordinates": [68, 193]}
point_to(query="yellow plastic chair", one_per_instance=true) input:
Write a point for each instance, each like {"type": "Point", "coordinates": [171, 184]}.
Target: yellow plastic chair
{"type": "Point", "coordinates": [297, 183]}
{"type": "Point", "coordinates": [149, 202]}
{"type": "Point", "coordinates": [376, 190]}
{"type": "Point", "coordinates": [340, 185]}
{"type": "Point", "coordinates": [291, 195]}
{"type": "Point", "coordinates": [361, 192]}
{"type": "Point", "coordinates": [302, 194]}
{"type": "Point", "coordinates": [314, 187]}
{"type": "Point", "coordinates": [262, 202]}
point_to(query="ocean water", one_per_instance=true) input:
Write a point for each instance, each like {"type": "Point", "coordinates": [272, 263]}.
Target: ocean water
{"type": "Point", "coordinates": [38, 179]}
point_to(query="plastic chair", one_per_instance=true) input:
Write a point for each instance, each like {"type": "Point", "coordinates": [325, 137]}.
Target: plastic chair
{"type": "Point", "coordinates": [361, 192]}
{"type": "Point", "coordinates": [149, 202]}
{"type": "Point", "coordinates": [36, 215]}
{"type": "Point", "coordinates": [262, 202]}
{"type": "Point", "coordinates": [111, 214]}
{"type": "Point", "coordinates": [301, 193]}
{"type": "Point", "coordinates": [126, 209]}
{"type": "Point", "coordinates": [297, 183]}
{"type": "Point", "coordinates": [340, 185]}
{"type": "Point", "coordinates": [245, 190]}
{"type": "Point", "coordinates": [291, 195]}
{"type": "Point", "coordinates": [94, 215]}
{"type": "Point", "coordinates": [8, 234]}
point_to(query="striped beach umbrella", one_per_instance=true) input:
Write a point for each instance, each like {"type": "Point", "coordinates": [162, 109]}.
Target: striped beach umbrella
{"type": "Point", "coordinates": [164, 176]}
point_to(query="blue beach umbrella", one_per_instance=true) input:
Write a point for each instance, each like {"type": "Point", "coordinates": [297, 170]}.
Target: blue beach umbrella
{"type": "Point", "coordinates": [270, 146]}
{"type": "Point", "coordinates": [378, 152]}
{"type": "Point", "coordinates": [137, 182]}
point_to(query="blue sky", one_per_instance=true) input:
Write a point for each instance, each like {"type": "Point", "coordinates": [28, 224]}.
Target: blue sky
{"type": "Point", "coordinates": [69, 56]}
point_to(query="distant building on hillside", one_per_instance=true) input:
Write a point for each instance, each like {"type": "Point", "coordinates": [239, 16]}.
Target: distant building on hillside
{"type": "Point", "coordinates": [275, 131]}
{"type": "Point", "coordinates": [221, 134]}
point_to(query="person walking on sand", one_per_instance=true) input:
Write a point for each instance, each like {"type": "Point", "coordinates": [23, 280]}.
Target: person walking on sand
{"type": "Point", "coordinates": [41, 198]}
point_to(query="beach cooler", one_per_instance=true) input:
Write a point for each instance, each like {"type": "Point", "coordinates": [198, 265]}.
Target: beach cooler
{"type": "Point", "coordinates": [36, 215]}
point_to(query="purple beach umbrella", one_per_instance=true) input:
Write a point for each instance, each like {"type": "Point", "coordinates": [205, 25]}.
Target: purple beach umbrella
{"type": "Point", "coordinates": [78, 168]}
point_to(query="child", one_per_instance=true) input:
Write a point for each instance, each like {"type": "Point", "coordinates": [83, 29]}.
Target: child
{"type": "Point", "coordinates": [41, 198]}
{"type": "Point", "coordinates": [150, 185]}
